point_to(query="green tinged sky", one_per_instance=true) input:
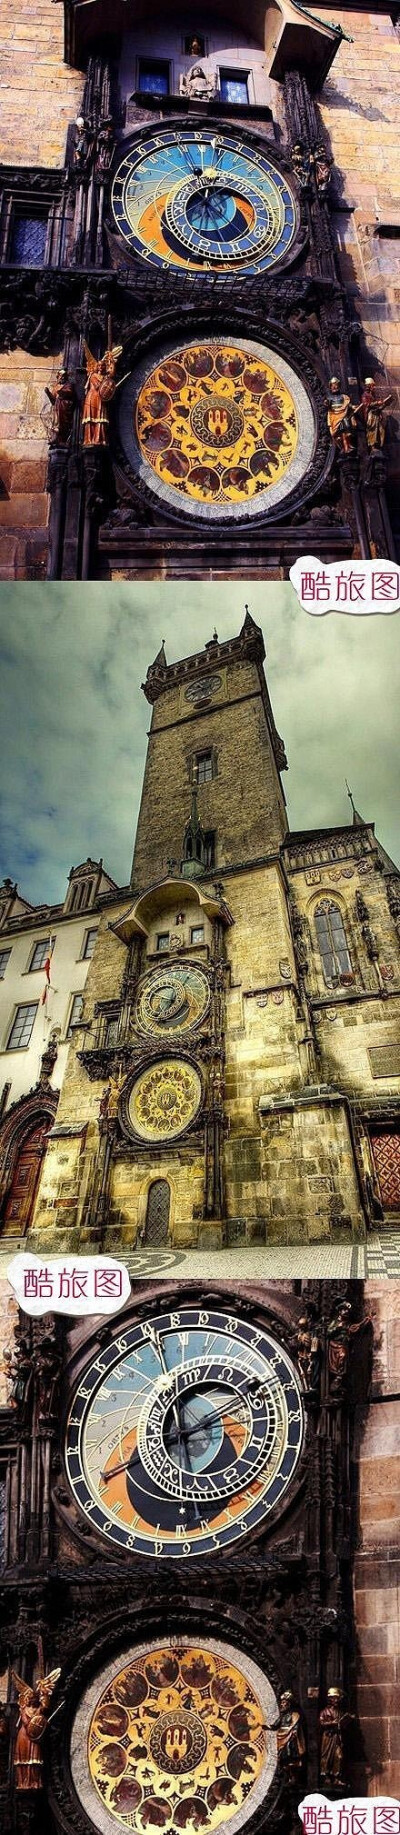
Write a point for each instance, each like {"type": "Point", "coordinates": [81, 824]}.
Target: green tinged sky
{"type": "Point", "coordinates": [73, 720]}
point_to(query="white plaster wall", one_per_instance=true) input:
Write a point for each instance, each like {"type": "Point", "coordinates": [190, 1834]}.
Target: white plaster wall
{"type": "Point", "coordinates": [68, 976]}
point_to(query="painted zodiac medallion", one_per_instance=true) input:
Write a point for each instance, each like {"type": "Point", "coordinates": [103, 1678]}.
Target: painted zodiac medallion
{"type": "Point", "coordinates": [224, 430]}
{"type": "Point", "coordinates": [164, 1100]}
{"type": "Point", "coordinates": [180, 1737]}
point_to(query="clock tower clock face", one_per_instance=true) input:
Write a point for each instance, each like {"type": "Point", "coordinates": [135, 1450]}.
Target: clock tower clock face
{"type": "Point", "coordinates": [173, 999]}
{"type": "Point", "coordinates": [184, 1434]}
{"type": "Point", "coordinates": [194, 199]}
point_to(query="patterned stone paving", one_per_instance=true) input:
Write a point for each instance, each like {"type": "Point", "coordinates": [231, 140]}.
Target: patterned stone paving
{"type": "Point", "coordinates": [378, 1258]}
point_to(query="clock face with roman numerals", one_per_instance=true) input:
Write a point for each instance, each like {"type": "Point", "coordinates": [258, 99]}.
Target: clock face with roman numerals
{"type": "Point", "coordinates": [184, 1434]}
{"type": "Point", "coordinates": [193, 199]}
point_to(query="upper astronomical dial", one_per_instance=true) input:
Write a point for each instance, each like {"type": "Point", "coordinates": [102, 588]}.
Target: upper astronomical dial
{"type": "Point", "coordinates": [184, 1434]}
{"type": "Point", "coordinates": [172, 1000]}
{"type": "Point", "coordinates": [194, 199]}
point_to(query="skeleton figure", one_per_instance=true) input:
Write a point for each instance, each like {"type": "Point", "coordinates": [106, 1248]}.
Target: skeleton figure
{"type": "Point", "coordinates": [32, 1724]}
{"type": "Point", "coordinates": [83, 146]}
{"type": "Point", "coordinates": [99, 391]}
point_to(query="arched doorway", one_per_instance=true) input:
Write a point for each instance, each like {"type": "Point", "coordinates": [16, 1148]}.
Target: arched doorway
{"type": "Point", "coordinates": [157, 1214]}
{"type": "Point", "coordinates": [22, 1192]}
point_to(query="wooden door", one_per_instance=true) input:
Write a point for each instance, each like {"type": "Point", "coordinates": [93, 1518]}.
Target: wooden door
{"type": "Point", "coordinates": [157, 1220]}
{"type": "Point", "coordinates": [386, 1156]}
{"type": "Point", "coordinates": [21, 1197]}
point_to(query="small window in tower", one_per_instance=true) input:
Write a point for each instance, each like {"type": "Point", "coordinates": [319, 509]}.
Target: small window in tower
{"type": "Point", "coordinates": [234, 86]}
{"type": "Point", "coordinates": [39, 955]}
{"type": "Point", "coordinates": [195, 45]}
{"type": "Point", "coordinates": [203, 768]}
{"type": "Point", "coordinates": [4, 959]}
{"type": "Point", "coordinates": [162, 941]}
{"type": "Point", "coordinates": [28, 239]}
{"type": "Point", "coordinates": [197, 933]}
{"type": "Point", "coordinates": [153, 78]}
{"type": "Point", "coordinates": [22, 1027]}
{"type": "Point", "coordinates": [332, 942]}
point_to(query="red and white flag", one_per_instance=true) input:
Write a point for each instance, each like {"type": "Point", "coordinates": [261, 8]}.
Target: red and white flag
{"type": "Point", "coordinates": [46, 971]}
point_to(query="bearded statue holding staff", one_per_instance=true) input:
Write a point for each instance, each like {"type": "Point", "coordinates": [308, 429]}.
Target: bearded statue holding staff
{"type": "Point", "coordinates": [373, 412]}
{"type": "Point", "coordinates": [99, 392]}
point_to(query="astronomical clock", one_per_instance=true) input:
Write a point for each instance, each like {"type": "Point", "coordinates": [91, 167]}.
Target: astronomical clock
{"type": "Point", "coordinates": [176, 1591]}
{"type": "Point", "coordinates": [184, 1436]}
{"type": "Point", "coordinates": [196, 199]}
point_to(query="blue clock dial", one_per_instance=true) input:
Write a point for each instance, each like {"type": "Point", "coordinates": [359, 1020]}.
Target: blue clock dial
{"type": "Point", "coordinates": [198, 200]}
{"type": "Point", "coordinates": [184, 1434]}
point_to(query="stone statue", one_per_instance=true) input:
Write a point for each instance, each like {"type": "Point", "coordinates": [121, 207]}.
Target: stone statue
{"type": "Point", "coordinates": [373, 406]}
{"type": "Point", "coordinates": [32, 1724]}
{"type": "Point", "coordinates": [20, 1374]}
{"type": "Point", "coordinates": [104, 1104]}
{"type": "Point", "coordinates": [48, 1371]}
{"type": "Point", "coordinates": [340, 1333]}
{"type": "Point", "coordinates": [83, 146]}
{"type": "Point", "coordinates": [63, 400]}
{"type": "Point", "coordinates": [104, 146]}
{"type": "Point", "coordinates": [197, 85]}
{"type": "Point", "coordinates": [322, 165]}
{"type": "Point", "coordinates": [99, 392]}
{"type": "Point", "coordinates": [290, 1738]}
{"type": "Point", "coordinates": [309, 1352]}
{"type": "Point", "coordinates": [341, 418]}
{"type": "Point", "coordinates": [301, 162]}
{"type": "Point", "coordinates": [333, 1720]}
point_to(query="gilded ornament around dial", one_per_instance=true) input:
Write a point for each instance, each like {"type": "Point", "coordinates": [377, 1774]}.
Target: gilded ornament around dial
{"type": "Point", "coordinates": [164, 1099]}
{"type": "Point", "coordinates": [172, 1000]}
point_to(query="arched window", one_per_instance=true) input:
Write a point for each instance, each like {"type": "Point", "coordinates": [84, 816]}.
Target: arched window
{"type": "Point", "coordinates": [157, 1215]}
{"type": "Point", "coordinates": [332, 943]}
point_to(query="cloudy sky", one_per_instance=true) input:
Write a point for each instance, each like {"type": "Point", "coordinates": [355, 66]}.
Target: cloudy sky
{"type": "Point", "coordinates": [73, 720]}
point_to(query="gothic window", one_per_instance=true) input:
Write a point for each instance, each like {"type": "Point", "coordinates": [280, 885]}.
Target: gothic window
{"type": "Point", "coordinates": [4, 959]}
{"type": "Point", "coordinates": [197, 933]}
{"type": "Point", "coordinates": [75, 1014]}
{"type": "Point", "coordinates": [234, 86]}
{"type": "Point", "coordinates": [153, 78]}
{"type": "Point", "coordinates": [28, 239]}
{"type": "Point", "coordinates": [158, 1207]}
{"type": "Point", "coordinates": [89, 943]}
{"type": "Point", "coordinates": [209, 847]}
{"type": "Point", "coordinates": [22, 1026]}
{"type": "Point", "coordinates": [163, 940]}
{"type": "Point", "coordinates": [332, 943]}
{"type": "Point", "coordinates": [80, 895]}
{"type": "Point", "coordinates": [203, 768]}
{"type": "Point", "coordinates": [39, 954]}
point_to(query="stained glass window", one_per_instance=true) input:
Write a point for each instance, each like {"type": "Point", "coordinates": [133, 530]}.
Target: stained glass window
{"type": "Point", "coordinates": [28, 240]}
{"type": "Point", "coordinates": [154, 79]}
{"type": "Point", "coordinates": [234, 86]}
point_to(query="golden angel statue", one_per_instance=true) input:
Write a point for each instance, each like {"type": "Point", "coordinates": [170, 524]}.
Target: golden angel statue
{"type": "Point", "coordinates": [32, 1724]}
{"type": "Point", "coordinates": [99, 391]}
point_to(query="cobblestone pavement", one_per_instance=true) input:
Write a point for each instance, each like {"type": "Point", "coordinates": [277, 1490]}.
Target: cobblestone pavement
{"type": "Point", "coordinates": [378, 1258]}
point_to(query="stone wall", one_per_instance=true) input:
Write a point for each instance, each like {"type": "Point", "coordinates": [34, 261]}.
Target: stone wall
{"type": "Point", "coordinates": [377, 1569]}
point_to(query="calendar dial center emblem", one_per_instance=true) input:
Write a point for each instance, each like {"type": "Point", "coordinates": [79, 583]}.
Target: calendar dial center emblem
{"type": "Point", "coordinates": [184, 1434]}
